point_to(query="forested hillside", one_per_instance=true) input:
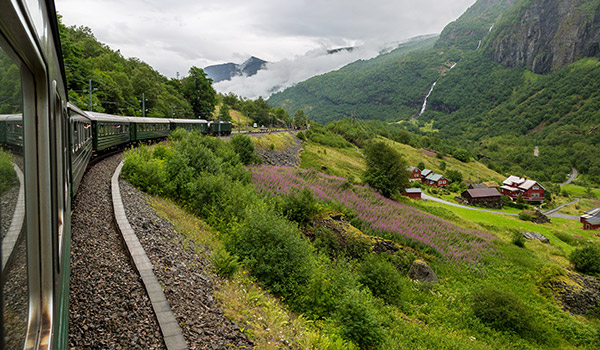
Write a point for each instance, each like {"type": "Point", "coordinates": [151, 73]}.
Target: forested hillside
{"type": "Point", "coordinates": [500, 89]}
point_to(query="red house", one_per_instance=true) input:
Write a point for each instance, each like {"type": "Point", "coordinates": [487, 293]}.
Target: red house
{"type": "Point", "coordinates": [529, 189]}
{"type": "Point", "coordinates": [591, 219]}
{"type": "Point", "coordinates": [414, 193]}
{"type": "Point", "coordinates": [415, 173]}
{"type": "Point", "coordinates": [436, 180]}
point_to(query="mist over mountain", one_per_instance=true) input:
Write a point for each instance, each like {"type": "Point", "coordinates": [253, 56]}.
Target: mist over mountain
{"type": "Point", "coordinates": [226, 71]}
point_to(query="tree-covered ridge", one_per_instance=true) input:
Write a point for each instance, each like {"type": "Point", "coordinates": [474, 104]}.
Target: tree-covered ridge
{"type": "Point", "coordinates": [117, 82]}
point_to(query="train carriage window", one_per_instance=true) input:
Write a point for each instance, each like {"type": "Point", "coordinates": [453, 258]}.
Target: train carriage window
{"type": "Point", "coordinates": [14, 288]}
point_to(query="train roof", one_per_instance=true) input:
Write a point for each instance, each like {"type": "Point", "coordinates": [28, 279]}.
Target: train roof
{"type": "Point", "coordinates": [146, 120]}
{"type": "Point", "coordinates": [77, 113]}
{"type": "Point", "coordinates": [188, 121]}
{"type": "Point", "coordinates": [105, 117]}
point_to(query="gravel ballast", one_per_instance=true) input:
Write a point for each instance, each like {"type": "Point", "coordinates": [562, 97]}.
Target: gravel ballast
{"type": "Point", "coordinates": [108, 305]}
{"type": "Point", "coordinates": [185, 277]}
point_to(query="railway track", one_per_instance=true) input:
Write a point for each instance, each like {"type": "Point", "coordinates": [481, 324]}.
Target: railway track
{"type": "Point", "coordinates": [109, 307]}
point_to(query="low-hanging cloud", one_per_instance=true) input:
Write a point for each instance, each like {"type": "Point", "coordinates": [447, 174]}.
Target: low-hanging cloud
{"type": "Point", "coordinates": [285, 73]}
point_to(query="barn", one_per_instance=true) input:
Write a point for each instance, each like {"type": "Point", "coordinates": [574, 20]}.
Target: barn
{"type": "Point", "coordinates": [488, 197]}
{"type": "Point", "coordinates": [414, 193]}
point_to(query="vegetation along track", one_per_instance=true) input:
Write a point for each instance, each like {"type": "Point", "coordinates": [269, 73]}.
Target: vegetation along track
{"type": "Point", "coordinates": [109, 308]}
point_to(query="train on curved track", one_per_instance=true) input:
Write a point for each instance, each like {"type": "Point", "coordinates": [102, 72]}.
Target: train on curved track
{"type": "Point", "coordinates": [46, 144]}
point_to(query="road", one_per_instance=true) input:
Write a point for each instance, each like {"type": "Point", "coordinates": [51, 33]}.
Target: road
{"type": "Point", "coordinates": [571, 177]}
{"type": "Point", "coordinates": [552, 213]}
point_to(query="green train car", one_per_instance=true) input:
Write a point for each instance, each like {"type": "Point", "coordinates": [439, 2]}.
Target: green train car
{"type": "Point", "coordinates": [219, 128]}
{"type": "Point", "coordinates": [108, 130]}
{"type": "Point", "coordinates": [143, 129]}
{"type": "Point", "coordinates": [81, 138]}
{"type": "Point", "coordinates": [3, 118]}
{"type": "Point", "coordinates": [190, 125]}
{"type": "Point", "coordinates": [11, 130]}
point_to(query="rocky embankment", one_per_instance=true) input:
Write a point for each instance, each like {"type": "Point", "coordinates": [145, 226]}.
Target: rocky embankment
{"type": "Point", "coordinates": [290, 156]}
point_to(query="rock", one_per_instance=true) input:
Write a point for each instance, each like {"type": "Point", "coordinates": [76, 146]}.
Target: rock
{"type": "Point", "coordinates": [539, 218]}
{"type": "Point", "coordinates": [420, 271]}
{"type": "Point", "coordinates": [576, 293]}
{"type": "Point", "coordinates": [536, 235]}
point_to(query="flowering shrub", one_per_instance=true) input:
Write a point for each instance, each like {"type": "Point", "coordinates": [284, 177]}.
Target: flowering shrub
{"type": "Point", "coordinates": [378, 214]}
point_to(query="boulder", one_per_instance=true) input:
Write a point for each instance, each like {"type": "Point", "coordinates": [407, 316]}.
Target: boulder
{"type": "Point", "coordinates": [536, 235]}
{"type": "Point", "coordinates": [420, 271]}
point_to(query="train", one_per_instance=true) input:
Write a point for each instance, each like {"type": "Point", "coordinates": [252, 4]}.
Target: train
{"type": "Point", "coordinates": [46, 144]}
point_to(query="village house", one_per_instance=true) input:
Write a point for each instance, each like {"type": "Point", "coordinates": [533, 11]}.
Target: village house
{"type": "Point", "coordinates": [488, 197]}
{"type": "Point", "coordinates": [529, 189]}
{"type": "Point", "coordinates": [435, 180]}
{"type": "Point", "coordinates": [591, 219]}
{"type": "Point", "coordinates": [415, 173]}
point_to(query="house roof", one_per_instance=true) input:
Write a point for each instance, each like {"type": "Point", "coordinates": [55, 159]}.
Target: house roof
{"type": "Point", "coordinates": [513, 180]}
{"type": "Point", "coordinates": [434, 177]}
{"type": "Point", "coordinates": [483, 192]}
{"type": "Point", "coordinates": [412, 168]}
{"type": "Point", "coordinates": [426, 172]}
{"type": "Point", "coordinates": [413, 190]}
{"type": "Point", "coordinates": [509, 188]}
{"type": "Point", "coordinates": [592, 216]}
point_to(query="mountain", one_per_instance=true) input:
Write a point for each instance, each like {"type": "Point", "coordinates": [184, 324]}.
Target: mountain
{"type": "Point", "coordinates": [226, 71]}
{"type": "Point", "coordinates": [507, 76]}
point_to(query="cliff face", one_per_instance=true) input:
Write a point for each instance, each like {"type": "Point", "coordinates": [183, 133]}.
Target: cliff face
{"type": "Point", "coordinates": [546, 35]}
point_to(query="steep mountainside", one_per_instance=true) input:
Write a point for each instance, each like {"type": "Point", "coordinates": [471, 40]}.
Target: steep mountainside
{"type": "Point", "coordinates": [226, 71]}
{"type": "Point", "coordinates": [546, 35]}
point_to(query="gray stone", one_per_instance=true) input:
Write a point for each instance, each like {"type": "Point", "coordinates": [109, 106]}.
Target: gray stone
{"type": "Point", "coordinates": [420, 271]}
{"type": "Point", "coordinates": [536, 235]}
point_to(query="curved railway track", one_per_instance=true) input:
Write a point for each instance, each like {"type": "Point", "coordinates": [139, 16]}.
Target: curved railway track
{"type": "Point", "coordinates": [109, 307]}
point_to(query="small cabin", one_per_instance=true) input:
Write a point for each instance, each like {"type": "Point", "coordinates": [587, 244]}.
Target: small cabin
{"type": "Point", "coordinates": [436, 180]}
{"type": "Point", "coordinates": [414, 193]}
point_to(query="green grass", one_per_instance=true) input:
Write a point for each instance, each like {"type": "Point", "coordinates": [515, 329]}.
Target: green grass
{"type": "Point", "coordinates": [344, 162]}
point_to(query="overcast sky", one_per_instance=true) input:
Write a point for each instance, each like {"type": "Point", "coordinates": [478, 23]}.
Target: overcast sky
{"type": "Point", "coordinates": [173, 35]}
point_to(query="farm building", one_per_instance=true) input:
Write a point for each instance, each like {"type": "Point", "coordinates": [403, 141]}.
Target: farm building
{"type": "Point", "coordinates": [591, 219]}
{"type": "Point", "coordinates": [489, 197]}
{"type": "Point", "coordinates": [415, 173]}
{"type": "Point", "coordinates": [436, 180]}
{"type": "Point", "coordinates": [529, 189]}
{"type": "Point", "coordinates": [414, 193]}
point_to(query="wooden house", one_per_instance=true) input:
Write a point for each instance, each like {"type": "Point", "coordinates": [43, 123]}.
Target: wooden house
{"type": "Point", "coordinates": [529, 189]}
{"type": "Point", "coordinates": [414, 193]}
{"type": "Point", "coordinates": [436, 180]}
{"type": "Point", "coordinates": [488, 197]}
{"type": "Point", "coordinates": [591, 219]}
{"type": "Point", "coordinates": [415, 173]}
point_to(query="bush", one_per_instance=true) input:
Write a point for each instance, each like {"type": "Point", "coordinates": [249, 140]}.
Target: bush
{"type": "Point", "coordinates": [244, 147]}
{"type": "Point", "coordinates": [225, 264]}
{"type": "Point", "coordinates": [518, 239]}
{"type": "Point", "coordinates": [382, 278]}
{"type": "Point", "coordinates": [462, 155]}
{"type": "Point", "coordinates": [525, 215]}
{"type": "Point", "coordinates": [301, 136]}
{"type": "Point", "coordinates": [504, 312]}
{"type": "Point", "coordinates": [144, 171]}
{"type": "Point", "coordinates": [300, 207]}
{"type": "Point", "coordinates": [586, 259]}
{"type": "Point", "coordinates": [360, 321]}
{"type": "Point", "coordinates": [8, 176]}
{"type": "Point", "coordinates": [273, 249]}
{"type": "Point", "coordinates": [386, 169]}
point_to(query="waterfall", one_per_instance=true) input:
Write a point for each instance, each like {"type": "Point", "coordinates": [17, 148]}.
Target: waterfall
{"type": "Point", "coordinates": [454, 65]}
{"type": "Point", "coordinates": [491, 27]}
{"type": "Point", "coordinates": [426, 97]}
{"type": "Point", "coordinates": [478, 45]}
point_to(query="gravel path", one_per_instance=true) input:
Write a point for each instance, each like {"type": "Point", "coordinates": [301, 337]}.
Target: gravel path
{"type": "Point", "coordinates": [109, 307]}
{"type": "Point", "coordinates": [186, 278]}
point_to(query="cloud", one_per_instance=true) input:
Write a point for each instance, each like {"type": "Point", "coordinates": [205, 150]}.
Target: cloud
{"type": "Point", "coordinates": [288, 72]}
{"type": "Point", "coordinates": [172, 36]}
